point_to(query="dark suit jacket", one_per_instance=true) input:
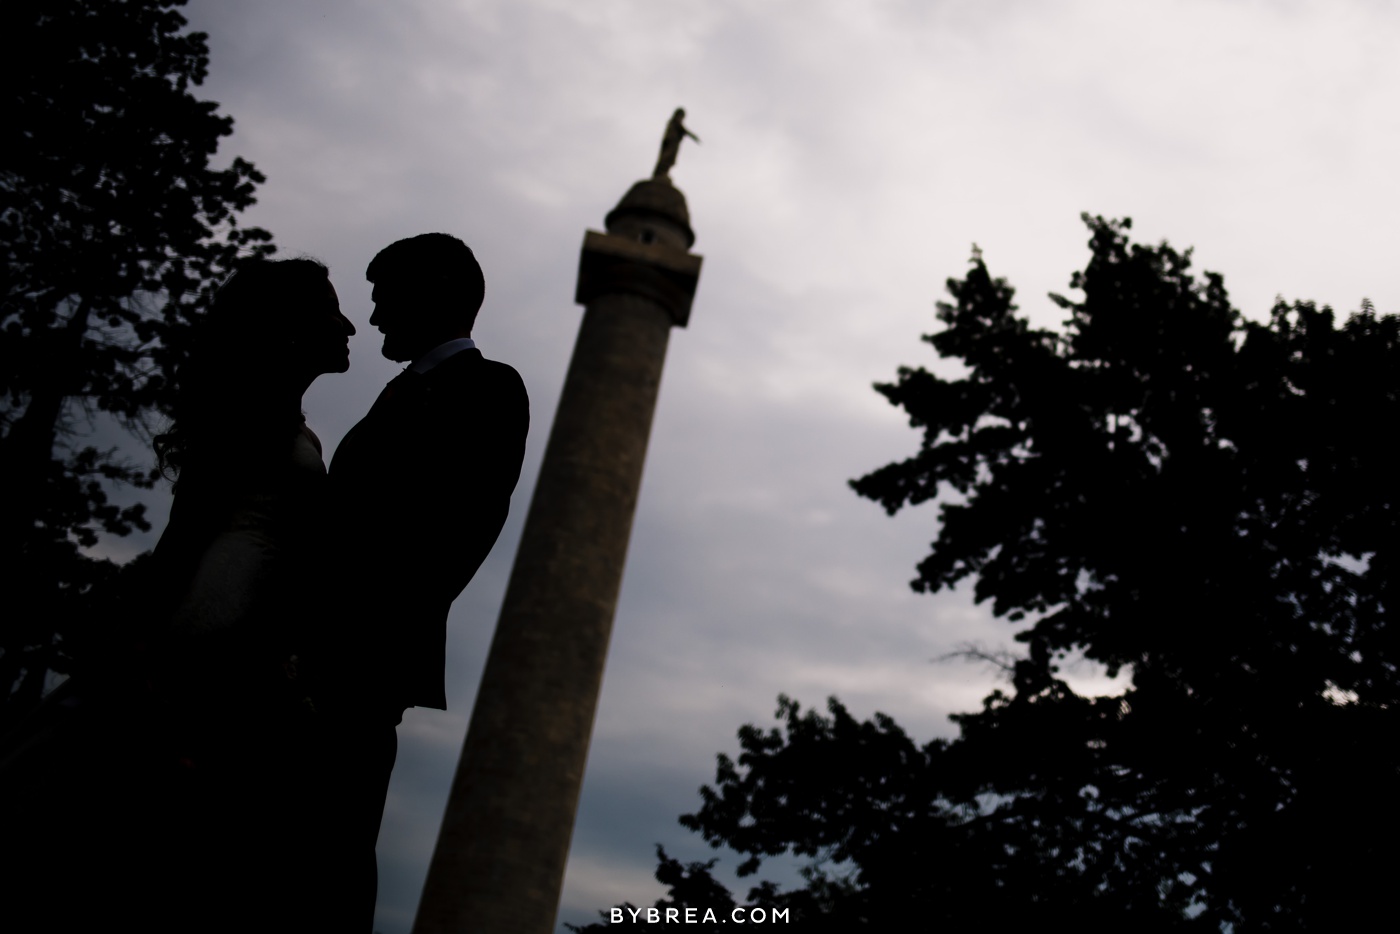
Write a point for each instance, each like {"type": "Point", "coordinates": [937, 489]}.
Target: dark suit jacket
{"type": "Point", "coordinates": [420, 490]}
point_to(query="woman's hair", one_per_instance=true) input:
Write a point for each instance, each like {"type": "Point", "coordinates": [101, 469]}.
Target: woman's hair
{"type": "Point", "coordinates": [226, 417]}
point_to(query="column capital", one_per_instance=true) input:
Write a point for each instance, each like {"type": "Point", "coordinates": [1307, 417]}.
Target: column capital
{"type": "Point", "coordinates": [610, 263]}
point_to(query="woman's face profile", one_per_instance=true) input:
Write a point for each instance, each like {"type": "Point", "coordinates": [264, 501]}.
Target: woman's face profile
{"type": "Point", "coordinates": [324, 332]}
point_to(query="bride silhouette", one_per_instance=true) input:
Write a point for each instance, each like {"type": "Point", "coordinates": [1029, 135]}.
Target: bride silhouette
{"type": "Point", "coordinates": [235, 564]}
{"type": "Point", "coordinates": [173, 786]}
{"type": "Point", "coordinates": [250, 479]}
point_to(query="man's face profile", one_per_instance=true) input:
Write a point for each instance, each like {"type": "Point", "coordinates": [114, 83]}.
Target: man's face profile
{"type": "Point", "coordinates": [400, 318]}
{"type": "Point", "coordinates": [415, 316]}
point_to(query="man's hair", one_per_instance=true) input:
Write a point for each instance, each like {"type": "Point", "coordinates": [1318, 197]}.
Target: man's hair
{"type": "Point", "coordinates": [437, 263]}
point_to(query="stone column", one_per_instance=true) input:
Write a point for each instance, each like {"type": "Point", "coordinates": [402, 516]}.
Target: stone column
{"type": "Point", "coordinates": [499, 862]}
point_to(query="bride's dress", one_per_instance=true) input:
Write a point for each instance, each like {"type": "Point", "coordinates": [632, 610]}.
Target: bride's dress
{"type": "Point", "coordinates": [241, 587]}
{"type": "Point", "coordinates": [240, 562]}
{"type": "Point", "coordinates": [174, 787]}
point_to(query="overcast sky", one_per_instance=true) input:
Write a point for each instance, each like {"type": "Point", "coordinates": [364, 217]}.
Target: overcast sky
{"type": "Point", "coordinates": [852, 154]}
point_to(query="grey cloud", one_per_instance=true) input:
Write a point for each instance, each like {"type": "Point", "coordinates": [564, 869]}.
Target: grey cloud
{"type": "Point", "coordinates": [851, 155]}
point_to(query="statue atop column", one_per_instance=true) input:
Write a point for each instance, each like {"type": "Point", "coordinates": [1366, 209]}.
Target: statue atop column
{"type": "Point", "coordinates": [671, 144]}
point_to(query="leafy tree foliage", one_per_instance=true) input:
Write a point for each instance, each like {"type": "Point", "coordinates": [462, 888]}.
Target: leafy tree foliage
{"type": "Point", "coordinates": [115, 230]}
{"type": "Point", "coordinates": [1204, 503]}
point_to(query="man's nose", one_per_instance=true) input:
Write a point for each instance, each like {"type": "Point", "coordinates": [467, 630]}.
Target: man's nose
{"type": "Point", "coordinates": [348, 325]}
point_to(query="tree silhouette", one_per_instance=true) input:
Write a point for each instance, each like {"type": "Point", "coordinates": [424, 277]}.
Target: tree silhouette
{"type": "Point", "coordinates": [1203, 503]}
{"type": "Point", "coordinates": [115, 231]}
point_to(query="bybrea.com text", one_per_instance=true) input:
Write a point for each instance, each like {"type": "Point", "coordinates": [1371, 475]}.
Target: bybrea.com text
{"type": "Point", "coordinates": [630, 915]}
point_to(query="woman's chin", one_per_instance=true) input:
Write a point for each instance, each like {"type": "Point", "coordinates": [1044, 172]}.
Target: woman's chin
{"type": "Point", "coordinates": [336, 365]}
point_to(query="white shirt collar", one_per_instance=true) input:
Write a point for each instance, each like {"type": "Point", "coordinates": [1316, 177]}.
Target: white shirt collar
{"type": "Point", "coordinates": [440, 353]}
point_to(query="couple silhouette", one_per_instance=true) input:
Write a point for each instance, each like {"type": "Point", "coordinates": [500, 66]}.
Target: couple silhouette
{"type": "Point", "coordinates": [302, 609]}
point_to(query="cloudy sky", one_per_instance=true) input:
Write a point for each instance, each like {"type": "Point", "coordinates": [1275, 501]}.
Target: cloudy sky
{"type": "Point", "coordinates": [852, 154]}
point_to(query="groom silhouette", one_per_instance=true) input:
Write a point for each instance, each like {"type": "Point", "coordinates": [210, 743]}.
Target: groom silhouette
{"type": "Point", "coordinates": [421, 488]}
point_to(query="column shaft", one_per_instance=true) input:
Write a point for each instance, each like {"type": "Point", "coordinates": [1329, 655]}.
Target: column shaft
{"type": "Point", "coordinates": [499, 863]}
